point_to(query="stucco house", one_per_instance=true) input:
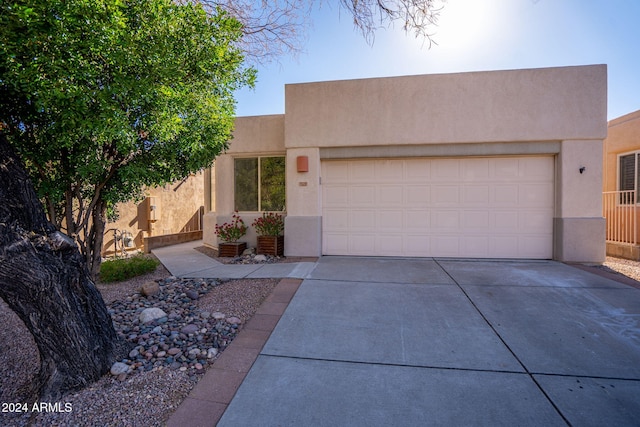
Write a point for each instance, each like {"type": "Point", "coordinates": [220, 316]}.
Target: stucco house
{"type": "Point", "coordinates": [621, 177]}
{"type": "Point", "coordinates": [497, 164]}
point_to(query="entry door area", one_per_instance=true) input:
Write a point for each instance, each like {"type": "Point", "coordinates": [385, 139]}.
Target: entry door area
{"type": "Point", "coordinates": [498, 207]}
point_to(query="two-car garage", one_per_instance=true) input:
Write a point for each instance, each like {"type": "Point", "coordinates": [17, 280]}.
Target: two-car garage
{"type": "Point", "coordinates": [488, 164]}
{"type": "Point", "coordinates": [482, 207]}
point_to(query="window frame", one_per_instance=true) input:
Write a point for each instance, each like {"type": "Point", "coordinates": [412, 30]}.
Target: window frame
{"type": "Point", "coordinates": [636, 178]}
{"type": "Point", "coordinates": [259, 180]}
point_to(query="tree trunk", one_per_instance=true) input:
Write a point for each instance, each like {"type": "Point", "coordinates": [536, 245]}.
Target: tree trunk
{"type": "Point", "coordinates": [96, 237]}
{"type": "Point", "coordinates": [44, 279]}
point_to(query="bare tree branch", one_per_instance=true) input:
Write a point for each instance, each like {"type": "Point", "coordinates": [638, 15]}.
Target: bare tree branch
{"type": "Point", "coordinates": [416, 16]}
{"type": "Point", "coordinates": [274, 28]}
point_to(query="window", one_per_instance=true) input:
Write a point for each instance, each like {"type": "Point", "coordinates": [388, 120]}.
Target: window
{"type": "Point", "coordinates": [628, 177]}
{"type": "Point", "coordinates": [259, 184]}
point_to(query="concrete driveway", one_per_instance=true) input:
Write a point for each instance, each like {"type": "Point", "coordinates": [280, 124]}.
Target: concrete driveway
{"type": "Point", "coordinates": [381, 342]}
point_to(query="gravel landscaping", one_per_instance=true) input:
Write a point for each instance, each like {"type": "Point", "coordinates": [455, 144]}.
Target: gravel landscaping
{"type": "Point", "coordinates": [624, 267]}
{"type": "Point", "coordinates": [168, 355]}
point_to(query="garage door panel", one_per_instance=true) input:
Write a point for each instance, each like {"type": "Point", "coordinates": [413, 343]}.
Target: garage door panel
{"type": "Point", "coordinates": [536, 222]}
{"type": "Point", "coordinates": [479, 171]}
{"type": "Point", "coordinates": [389, 194]}
{"type": "Point", "coordinates": [445, 170]}
{"type": "Point", "coordinates": [389, 170]}
{"type": "Point", "coordinates": [444, 220]}
{"type": "Point", "coordinates": [336, 172]}
{"type": "Point", "coordinates": [475, 246]}
{"type": "Point", "coordinates": [535, 195]}
{"type": "Point", "coordinates": [362, 195]}
{"type": "Point", "coordinates": [336, 196]}
{"type": "Point", "coordinates": [417, 196]}
{"type": "Point", "coordinates": [362, 219]}
{"type": "Point", "coordinates": [389, 243]}
{"type": "Point", "coordinates": [506, 222]}
{"type": "Point", "coordinates": [505, 169]}
{"type": "Point", "coordinates": [335, 243]}
{"type": "Point", "coordinates": [417, 170]}
{"type": "Point", "coordinates": [445, 195]}
{"type": "Point", "coordinates": [417, 221]}
{"type": "Point", "coordinates": [362, 172]}
{"type": "Point", "coordinates": [470, 207]}
{"type": "Point", "coordinates": [475, 195]}
{"type": "Point", "coordinates": [446, 246]}
{"type": "Point", "coordinates": [533, 168]}
{"type": "Point", "coordinates": [505, 195]}
{"type": "Point", "coordinates": [336, 220]}
{"type": "Point", "coordinates": [417, 244]}
{"type": "Point", "coordinates": [532, 246]}
{"type": "Point", "coordinates": [390, 220]}
{"type": "Point", "coordinates": [476, 221]}
{"type": "Point", "coordinates": [503, 246]}
{"type": "Point", "coordinates": [362, 243]}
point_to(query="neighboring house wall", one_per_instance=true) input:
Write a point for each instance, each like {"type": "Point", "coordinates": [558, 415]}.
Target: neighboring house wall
{"type": "Point", "coordinates": [554, 112]}
{"type": "Point", "coordinates": [623, 139]}
{"type": "Point", "coordinates": [180, 206]}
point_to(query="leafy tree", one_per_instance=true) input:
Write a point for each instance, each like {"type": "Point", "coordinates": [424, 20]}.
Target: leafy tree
{"type": "Point", "coordinates": [98, 98]}
{"type": "Point", "coordinates": [103, 97]}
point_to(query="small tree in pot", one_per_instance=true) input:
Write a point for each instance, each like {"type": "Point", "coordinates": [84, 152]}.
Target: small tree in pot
{"type": "Point", "coordinates": [270, 239]}
{"type": "Point", "coordinates": [229, 233]}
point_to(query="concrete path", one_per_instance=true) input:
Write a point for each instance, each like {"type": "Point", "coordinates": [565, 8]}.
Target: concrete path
{"type": "Point", "coordinates": [395, 342]}
{"type": "Point", "coordinates": [184, 261]}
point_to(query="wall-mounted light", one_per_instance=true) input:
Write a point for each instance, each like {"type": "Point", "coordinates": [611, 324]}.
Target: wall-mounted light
{"type": "Point", "coordinates": [582, 169]}
{"type": "Point", "coordinates": [302, 163]}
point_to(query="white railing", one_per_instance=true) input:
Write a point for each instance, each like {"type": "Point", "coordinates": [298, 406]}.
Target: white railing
{"type": "Point", "coordinates": [621, 212]}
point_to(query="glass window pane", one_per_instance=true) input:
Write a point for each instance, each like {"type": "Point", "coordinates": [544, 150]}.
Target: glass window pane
{"type": "Point", "coordinates": [246, 184]}
{"type": "Point", "coordinates": [627, 172]}
{"type": "Point", "coordinates": [272, 184]}
{"type": "Point", "coordinates": [637, 172]}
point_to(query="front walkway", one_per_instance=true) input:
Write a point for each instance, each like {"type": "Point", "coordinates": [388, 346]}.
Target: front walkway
{"type": "Point", "coordinates": [184, 261]}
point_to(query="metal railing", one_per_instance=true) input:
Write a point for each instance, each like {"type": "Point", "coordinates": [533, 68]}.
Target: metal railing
{"type": "Point", "coordinates": [621, 212]}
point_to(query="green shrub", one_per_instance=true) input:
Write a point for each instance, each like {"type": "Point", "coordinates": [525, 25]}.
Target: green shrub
{"type": "Point", "coordinates": [126, 268]}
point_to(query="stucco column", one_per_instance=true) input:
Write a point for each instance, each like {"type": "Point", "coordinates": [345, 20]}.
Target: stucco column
{"type": "Point", "coordinates": [579, 228]}
{"type": "Point", "coordinates": [303, 224]}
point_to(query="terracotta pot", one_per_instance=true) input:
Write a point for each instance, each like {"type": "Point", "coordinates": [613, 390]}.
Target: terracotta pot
{"type": "Point", "coordinates": [231, 249]}
{"type": "Point", "coordinates": [271, 245]}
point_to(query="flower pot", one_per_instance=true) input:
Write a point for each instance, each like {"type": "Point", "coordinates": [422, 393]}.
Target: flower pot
{"type": "Point", "coordinates": [271, 245]}
{"type": "Point", "coordinates": [231, 249]}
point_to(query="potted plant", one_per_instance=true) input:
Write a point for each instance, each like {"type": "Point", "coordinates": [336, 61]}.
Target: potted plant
{"type": "Point", "coordinates": [270, 238]}
{"type": "Point", "coordinates": [229, 233]}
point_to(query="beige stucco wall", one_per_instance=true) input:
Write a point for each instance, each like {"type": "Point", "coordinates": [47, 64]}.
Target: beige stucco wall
{"type": "Point", "coordinates": [579, 228]}
{"type": "Point", "coordinates": [516, 105]}
{"type": "Point", "coordinates": [558, 111]}
{"type": "Point", "coordinates": [253, 136]}
{"type": "Point", "coordinates": [179, 205]}
{"type": "Point", "coordinates": [623, 136]}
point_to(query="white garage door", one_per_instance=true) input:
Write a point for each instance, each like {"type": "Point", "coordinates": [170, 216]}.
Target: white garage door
{"type": "Point", "coordinates": [466, 207]}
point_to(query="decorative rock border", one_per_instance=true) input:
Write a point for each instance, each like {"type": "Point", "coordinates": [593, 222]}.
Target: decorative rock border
{"type": "Point", "coordinates": [167, 328]}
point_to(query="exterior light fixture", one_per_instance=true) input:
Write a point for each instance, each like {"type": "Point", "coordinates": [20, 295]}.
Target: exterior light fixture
{"type": "Point", "coordinates": [302, 163]}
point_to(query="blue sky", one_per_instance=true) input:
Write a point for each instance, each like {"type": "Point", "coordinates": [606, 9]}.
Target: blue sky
{"type": "Point", "coordinates": [472, 35]}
